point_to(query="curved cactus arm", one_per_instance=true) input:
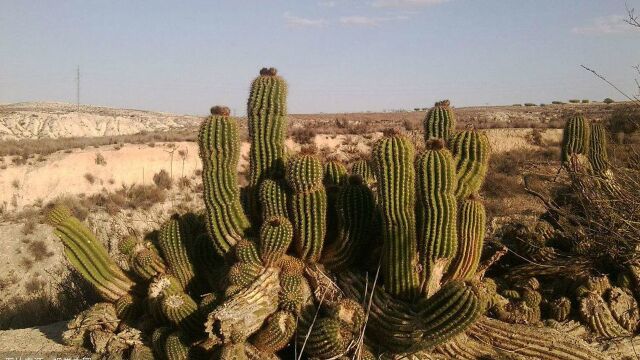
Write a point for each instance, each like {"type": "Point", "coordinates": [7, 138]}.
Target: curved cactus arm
{"type": "Point", "coordinates": [220, 151]}
{"type": "Point", "coordinates": [471, 233]}
{"type": "Point", "coordinates": [88, 255]}
{"type": "Point", "coordinates": [393, 156]}
{"type": "Point", "coordinates": [266, 112]}
{"type": "Point", "coordinates": [438, 235]}
{"type": "Point", "coordinates": [276, 235]}
{"type": "Point", "coordinates": [470, 149]}
{"type": "Point", "coordinates": [307, 206]}
{"type": "Point", "coordinates": [273, 199]}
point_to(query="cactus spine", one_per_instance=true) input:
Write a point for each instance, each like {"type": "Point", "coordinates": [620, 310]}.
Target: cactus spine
{"type": "Point", "coordinates": [440, 122]}
{"type": "Point", "coordinates": [276, 332]}
{"type": "Point", "coordinates": [393, 156]}
{"type": "Point", "coordinates": [266, 111]}
{"type": "Point", "coordinates": [182, 311]}
{"type": "Point", "coordinates": [88, 255]}
{"type": "Point", "coordinates": [575, 138]}
{"type": "Point", "coordinates": [174, 244]}
{"type": "Point", "coordinates": [355, 208]}
{"type": "Point", "coordinates": [307, 205]}
{"type": "Point", "coordinates": [335, 173]}
{"type": "Point", "coordinates": [471, 152]}
{"type": "Point", "coordinates": [471, 232]}
{"type": "Point", "coordinates": [436, 186]}
{"type": "Point", "coordinates": [365, 171]}
{"type": "Point", "coordinates": [598, 149]}
{"type": "Point", "coordinates": [220, 151]}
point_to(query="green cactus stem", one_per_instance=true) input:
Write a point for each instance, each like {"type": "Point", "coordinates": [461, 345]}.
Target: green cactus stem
{"type": "Point", "coordinates": [273, 199]}
{"type": "Point", "coordinates": [88, 256]}
{"type": "Point", "coordinates": [560, 309]}
{"type": "Point", "coordinates": [266, 112]}
{"type": "Point", "coordinates": [307, 205]}
{"type": "Point", "coordinates": [276, 235]}
{"type": "Point", "coordinates": [175, 243]}
{"type": "Point", "coordinates": [575, 137]}
{"type": "Point", "coordinates": [328, 339]}
{"type": "Point", "coordinates": [440, 122]}
{"type": "Point", "coordinates": [471, 152]}
{"type": "Point", "coordinates": [294, 293]}
{"type": "Point", "coordinates": [220, 151]}
{"type": "Point", "coordinates": [366, 172]}
{"type": "Point", "coordinates": [182, 311]}
{"type": "Point", "coordinates": [471, 231]}
{"type": "Point", "coordinates": [335, 173]}
{"type": "Point", "coordinates": [242, 274]}
{"type": "Point", "coordinates": [438, 240]}
{"type": "Point", "coordinates": [355, 210]}
{"type": "Point", "coordinates": [393, 156]}
{"type": "Point", "coordinates": [598, 148]}
{"type": "Point", "coordinates": [278, 329]}
{"type": "Point", "coordinates": [246, 251]}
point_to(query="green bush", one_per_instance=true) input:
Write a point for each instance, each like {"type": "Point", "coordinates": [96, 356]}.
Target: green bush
{"type": "Point", "coordinates": [557, 102]}
{"type": "Point", "coordinates": [574, 101]}
{"type": "Point", "coordinates": [585, 101]}
{"type": "Point", "coordinates": [516, 105]}
{"type": "Point", "coordinates": [608, 101]}
{"type": "Point", "coordinates": [529, 104]}
{"type": "Point", "coordinates": [625, 120]}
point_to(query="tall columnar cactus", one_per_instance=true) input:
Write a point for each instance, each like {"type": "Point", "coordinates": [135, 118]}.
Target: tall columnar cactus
{"type": "Point", "coordinates": [175, 244]}
{"type": "Point", "coordinates": [307, 205]}
{"type": "Point", "coordinates": [273, 199]}
{"type": "Point", "coordinates": [220, 151]}
{"type": "Point", "coordinates": [355, 210]}
{"type": "Point", "coordinates": [88, 256]}
{"type": "Point", "coordinates": [436, 185]}
{"type": "Point", "coordinates": [440, 122]}
{"type": "Point", "coordinates": [471, 232]}
{"type": "Point", "coordinates": [335, 173]}
{"type": "Point", "coordinates": [575, 138]}
{"type": "Point", "coordinates": [471, 152]}
{"type": "Point", "coordinates": [598, 148]}
{"type": "Point", "coordinates": [276, 235]}
{"type": "Point", "coordinates": [393, 156]}
{"type": "Point", "coordinates": [266, 111]}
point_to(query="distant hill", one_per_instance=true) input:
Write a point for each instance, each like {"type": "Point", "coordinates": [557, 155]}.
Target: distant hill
{"type": "Point", "coordinates": [36, 120]}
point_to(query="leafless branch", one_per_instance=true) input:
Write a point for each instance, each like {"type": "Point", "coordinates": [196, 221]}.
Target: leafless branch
{"type": "Point", "coordinates": [634, 99]}
{"type": "Point", "coordinates": [632, 19]}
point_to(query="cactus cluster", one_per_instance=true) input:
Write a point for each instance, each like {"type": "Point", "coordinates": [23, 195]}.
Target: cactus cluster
{"type": "Point", "coordinates": [250, 275]}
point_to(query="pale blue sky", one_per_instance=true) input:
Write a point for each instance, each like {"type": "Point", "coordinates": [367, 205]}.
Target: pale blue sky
{"type": "Point", "coordinates": [342, 55]}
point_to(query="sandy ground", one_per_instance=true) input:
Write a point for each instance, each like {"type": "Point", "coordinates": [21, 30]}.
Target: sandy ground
{"type": "Point", "coordinates": [37, 342]}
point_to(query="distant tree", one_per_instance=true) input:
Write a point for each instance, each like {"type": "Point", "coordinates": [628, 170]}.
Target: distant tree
{"type": "Point", "coordinates": [529, 104]}
{"type": "Point", "coordinates": [574, 101]}
{"type": "Point", "coordinates": [608, 101]}
{"type": "Point", "coordinates": [585, 101]}
{"type": "Point", "coordinates": [557, 102]}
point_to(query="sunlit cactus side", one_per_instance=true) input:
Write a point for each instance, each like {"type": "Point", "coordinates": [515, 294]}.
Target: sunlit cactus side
{"type": "Point", "coordinates": [143, 259]}
{"type": "Point", "coordinates": [307, 205]}
{"type": "Point", "coordinates": [246, 251]}
{"type": "Point", "coordinates": [176, 346]}
{"type": "Point", "coordinates": [88, 256]}
{"type": "Point", "coordinates": [575, 138]}
{"type": "Point", "coordinates": [440, 122]}
{"type": "Point", "coordinates": [175, 244]}
{"type": "Point", "coordinates": [598, 149]}
{"type": "Point", "coordinates": [355, 210]}
{"type": "Point", "coordinates": [470, 149]}
{"type": "Point", "coordinates": [471, 232]}
{"type": "Point", "coordinates": [393, 156]}
{"type": "Point", "coordinates": [335, 173]}
{"type": "Point", "coordinates": [438, 240]}
{"type": "Point", "coordinates": [276, 235]}
{"type": "Point", "coordinates": [220, 151]}
{"type": "Point", "coordinates": [182, 311]}
{"type": "Point", "coordinates": [273, 199]}
{"type": "Point", "coordinates": [266, 112]}
{"type": "Point", "coordinates": [365, 171]}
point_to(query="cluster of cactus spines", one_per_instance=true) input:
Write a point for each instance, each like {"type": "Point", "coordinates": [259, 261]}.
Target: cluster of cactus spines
{"type": "Point", "coordinates": [394, 156]}
{"type": "Point", "coordinates": [595, 312]}
{"type": "Point", "coordinates": [328, 338]}
{"type": "Point", "coordinates": [471, 152]}
{"type": "Point", "coordinates": [335, 173]}
{"type": "Point", "coordinates": [182, 311]}
{"type": "Point", "coordinates": [471, 232]}
{"type": "Point", "coordinates": [294, 292]}
{"type": "Point", "coordinates": [365, 171]}
{"type": "Point", "coordinates": [355, 209]}
{"type": "Point", "coordinates": [220, 152]}
{"type": "Point", "coordinates": [436, 178]}
{"type": "Point", "coordinates": [576, 137]}
{"type": "Point", "coordinates": [88, 255]}
{"type": "Point", "coordinates": [266, 112]}
{"type": "Point", "coordinates": [143, 258]}
{"type": "Point", "coordinates": [307, 205]}
{"type": "Point", "coordinates": [273, 199]}
{"type": "Point", "coordinates": [440, 122]}
{"type": "Point", "coordinates": [276, 235]}
{"type": "Point", "coordinates": [598, 148]}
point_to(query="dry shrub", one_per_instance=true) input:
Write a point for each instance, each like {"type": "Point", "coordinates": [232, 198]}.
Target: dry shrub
{"type": "Point", "coordinates": [39, 250]}
{"type": "Point", "coordinates": [303, 135]}
{"type": "Point", "coordinates": [100, 160]}
{"type": "Point", "coordinates": [90, 178]}
{"type": "Point", "coordinates": [163, 180]}
{"type": "Point", "coordinates": [29, 226]}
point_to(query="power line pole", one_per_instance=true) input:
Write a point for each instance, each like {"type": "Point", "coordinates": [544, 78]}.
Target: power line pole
{"type": "Point", "coordinates": [78, 88]}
